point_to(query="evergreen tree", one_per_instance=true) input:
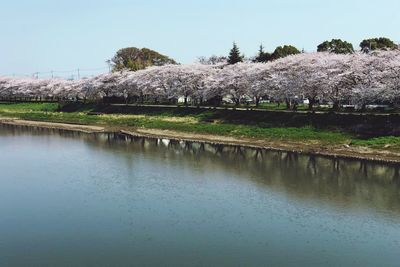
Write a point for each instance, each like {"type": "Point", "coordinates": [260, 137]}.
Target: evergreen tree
{"type": "Point", "coordinates": [377, 44]}
{"type": "Point", "coordinates": [336, 46]}
{"type": "Point", "coordinates": [134, 59]}
{"type": "Point", "coordinates": [262, 56]}
{"type": "Point", "coordinates": [234, 55]}
{"type": "Point", "coordinates": [284, 51]}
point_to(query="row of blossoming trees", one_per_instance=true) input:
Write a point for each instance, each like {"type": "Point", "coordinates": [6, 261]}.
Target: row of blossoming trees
{"type": "Point", "coordinates": [358, 79]}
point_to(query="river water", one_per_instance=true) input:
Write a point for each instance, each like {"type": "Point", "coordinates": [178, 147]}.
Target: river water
{"type": "Point", "coordinates": [74, 199]}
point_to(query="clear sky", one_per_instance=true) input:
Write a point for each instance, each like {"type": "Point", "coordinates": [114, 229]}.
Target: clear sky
{"type": "Point", "coordinates": [45, 35]}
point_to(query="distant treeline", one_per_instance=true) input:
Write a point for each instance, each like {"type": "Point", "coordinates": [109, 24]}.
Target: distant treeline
{"type": "Point", "coordinates": [336, 79]}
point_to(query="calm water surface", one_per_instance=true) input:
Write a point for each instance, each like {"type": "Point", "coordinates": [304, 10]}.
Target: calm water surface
{"type": "Point", "coordinates": [69, 199]}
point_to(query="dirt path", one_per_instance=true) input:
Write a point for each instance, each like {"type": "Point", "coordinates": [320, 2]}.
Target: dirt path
{"type": "Point", "coordinates": [292, 146]}
{"type": "Point", "coordinates": [52, 125]}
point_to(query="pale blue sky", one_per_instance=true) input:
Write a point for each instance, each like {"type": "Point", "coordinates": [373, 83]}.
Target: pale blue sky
{"type": "Point", "coordinates": [44, 35]}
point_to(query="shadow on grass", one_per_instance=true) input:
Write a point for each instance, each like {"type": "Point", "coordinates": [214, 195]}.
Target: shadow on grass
{"type": "Point", "coordinates": [362, 126]}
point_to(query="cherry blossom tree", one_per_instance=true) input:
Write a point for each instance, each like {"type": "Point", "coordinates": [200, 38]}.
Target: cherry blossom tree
{"type": "Point", "coordinates": [284, 81]}
{"type": "Point", "coordinates": [261, 81]}
{"type": "Point", "coordinates": [358, 78]}
{"type": "Point", "coordinates": [233, 81]}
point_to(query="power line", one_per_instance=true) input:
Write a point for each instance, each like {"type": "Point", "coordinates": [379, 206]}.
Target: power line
{"type": "Point", "coordinates": [69, 74]}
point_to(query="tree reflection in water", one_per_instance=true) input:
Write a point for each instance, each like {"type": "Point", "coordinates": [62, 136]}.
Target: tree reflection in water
{"type": "Point", "coordinates": [335, 181]}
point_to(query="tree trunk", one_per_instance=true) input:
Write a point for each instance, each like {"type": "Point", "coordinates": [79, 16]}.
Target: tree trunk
{"type": "Point", "coordinates": [311, 104]}
{"type": "Point", "coordinates": [288, 104]}
{"type": "Point", "coordinates": [363, 107]}
{"type": "Point", "coordinates": [294, 106]}
{"type": "Point", "coordinates": [237, 102]}
{"type": "Point", "coordinates": [336, 105]}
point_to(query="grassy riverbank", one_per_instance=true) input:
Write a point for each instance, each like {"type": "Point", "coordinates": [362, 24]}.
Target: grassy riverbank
{"type": "Point", "coordinates": [206, 122]}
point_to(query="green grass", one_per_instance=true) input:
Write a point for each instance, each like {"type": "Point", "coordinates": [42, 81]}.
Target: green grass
{"type": "Point", "coordinates": [392, 142]}
{"type": "Point", "coordinates": [29, 107]}
{"type": "Point", "coordinates": [193, 123]}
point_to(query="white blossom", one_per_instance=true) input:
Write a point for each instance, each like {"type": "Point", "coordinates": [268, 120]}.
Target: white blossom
{"type": "Point", "coordinates": [357, 78]}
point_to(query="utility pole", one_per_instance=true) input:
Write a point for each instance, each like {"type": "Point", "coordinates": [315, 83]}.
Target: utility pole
{"type": "Point", "coordinates": [79, 76]}
{"type": "Point", "coordinates": [52, 74]}
{"type": "Point", "coordinates": [108, 61]}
